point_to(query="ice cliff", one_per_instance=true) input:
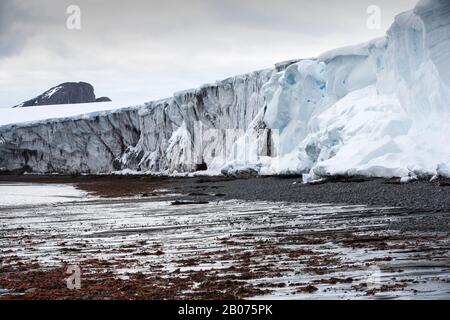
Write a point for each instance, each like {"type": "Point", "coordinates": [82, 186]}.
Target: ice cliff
{"type": "Point", "coordinates": [378, 109]}
{"type": "Point", "coordinates": [156, 137]}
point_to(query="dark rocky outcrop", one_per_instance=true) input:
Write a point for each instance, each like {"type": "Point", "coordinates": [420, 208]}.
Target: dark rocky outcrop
{"type": "Point", "coordinates": [65, 93]}
{"type": "Point", "coordinates": [103, 99]}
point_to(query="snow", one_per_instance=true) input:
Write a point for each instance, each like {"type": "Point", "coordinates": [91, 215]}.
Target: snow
{"type": "Point", "coordinates": [40, 113]}
{"type": "Point", "coordinates": [51, 92]}
{"type": "Point", "coordinates": [443, 170]}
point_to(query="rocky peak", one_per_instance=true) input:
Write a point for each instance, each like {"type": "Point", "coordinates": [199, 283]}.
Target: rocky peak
{"type": "Point", "coordinates": [65, 93]}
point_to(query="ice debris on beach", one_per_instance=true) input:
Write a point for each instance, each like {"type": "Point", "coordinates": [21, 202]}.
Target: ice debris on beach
{"type": "Point", "coordinates": [379, 109]}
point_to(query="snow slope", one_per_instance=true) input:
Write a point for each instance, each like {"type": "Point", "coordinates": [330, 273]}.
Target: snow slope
{"type": "Point", "coordinates": [39, 113]}
{"type": "Point", "coordinates": [378, 109]}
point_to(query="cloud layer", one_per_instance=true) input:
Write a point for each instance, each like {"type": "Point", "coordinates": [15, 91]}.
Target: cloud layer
{"type": "Point", "coordinates": [136, 50]}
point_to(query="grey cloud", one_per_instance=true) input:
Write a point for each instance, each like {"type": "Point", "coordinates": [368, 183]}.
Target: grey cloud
{"type": "Point", "coordinates": [195, 23]}
{"type": "Point", "coordinates": [10, 39]}
{"type": "Point", "coordinates": [19, 21]}
{"type": "Point", "coordinates": [149, 49]}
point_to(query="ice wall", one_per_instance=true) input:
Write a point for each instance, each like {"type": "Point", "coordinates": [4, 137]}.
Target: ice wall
{"type": "Point", "coordinates": [378, 109]}
{"type": "Point", "coordinates": [157, 137]}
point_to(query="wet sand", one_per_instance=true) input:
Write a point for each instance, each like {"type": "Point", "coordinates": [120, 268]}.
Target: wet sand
{"type": "Point", "coordinates": [217, 238]}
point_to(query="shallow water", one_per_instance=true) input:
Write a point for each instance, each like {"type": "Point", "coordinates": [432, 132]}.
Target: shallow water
{"type": "Point", "coordinates": [343, 252]}
{"type": "Point", "coordinates": [25, 194]}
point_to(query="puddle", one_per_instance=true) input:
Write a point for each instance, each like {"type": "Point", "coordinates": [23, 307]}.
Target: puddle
{"type": "Point", "coordinates": [27, 194]}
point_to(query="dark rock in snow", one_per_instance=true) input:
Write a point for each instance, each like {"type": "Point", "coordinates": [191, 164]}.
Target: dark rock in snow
{"type": "Point", "coordinates": [103, 99]}
{"type": "Point", "coordinates": [65, 93]}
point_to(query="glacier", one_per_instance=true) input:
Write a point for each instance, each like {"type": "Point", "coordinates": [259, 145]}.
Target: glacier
{"type": "Point", "coordinates": [378, 109]}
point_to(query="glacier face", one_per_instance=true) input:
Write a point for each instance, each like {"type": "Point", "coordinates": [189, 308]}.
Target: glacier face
{"type": "Point", "coordinates": [156, 137]}
{"type": "Point", "coordinates": [378, 109]}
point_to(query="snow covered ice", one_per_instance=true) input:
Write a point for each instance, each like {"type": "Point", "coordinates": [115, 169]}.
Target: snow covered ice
{"type": "Point", "coordinates": [39, 113]}
{"type": "Point", "coordinates": [379, 109]}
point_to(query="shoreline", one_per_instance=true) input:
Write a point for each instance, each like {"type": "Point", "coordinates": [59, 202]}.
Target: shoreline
{"type": "Point", "coordinates": [220, 238]}
{"type": "Point", "coordinates": [417, 195]}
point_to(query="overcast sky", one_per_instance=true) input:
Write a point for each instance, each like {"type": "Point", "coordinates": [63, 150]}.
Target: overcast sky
{"type": "Point", "coordinates": [135, 51]}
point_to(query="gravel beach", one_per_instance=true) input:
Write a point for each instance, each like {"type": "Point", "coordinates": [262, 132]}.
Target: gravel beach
{"type": "Point", "coordinates": [379, 192]}
{"type": "Point", "coordinates": [423, 194]}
